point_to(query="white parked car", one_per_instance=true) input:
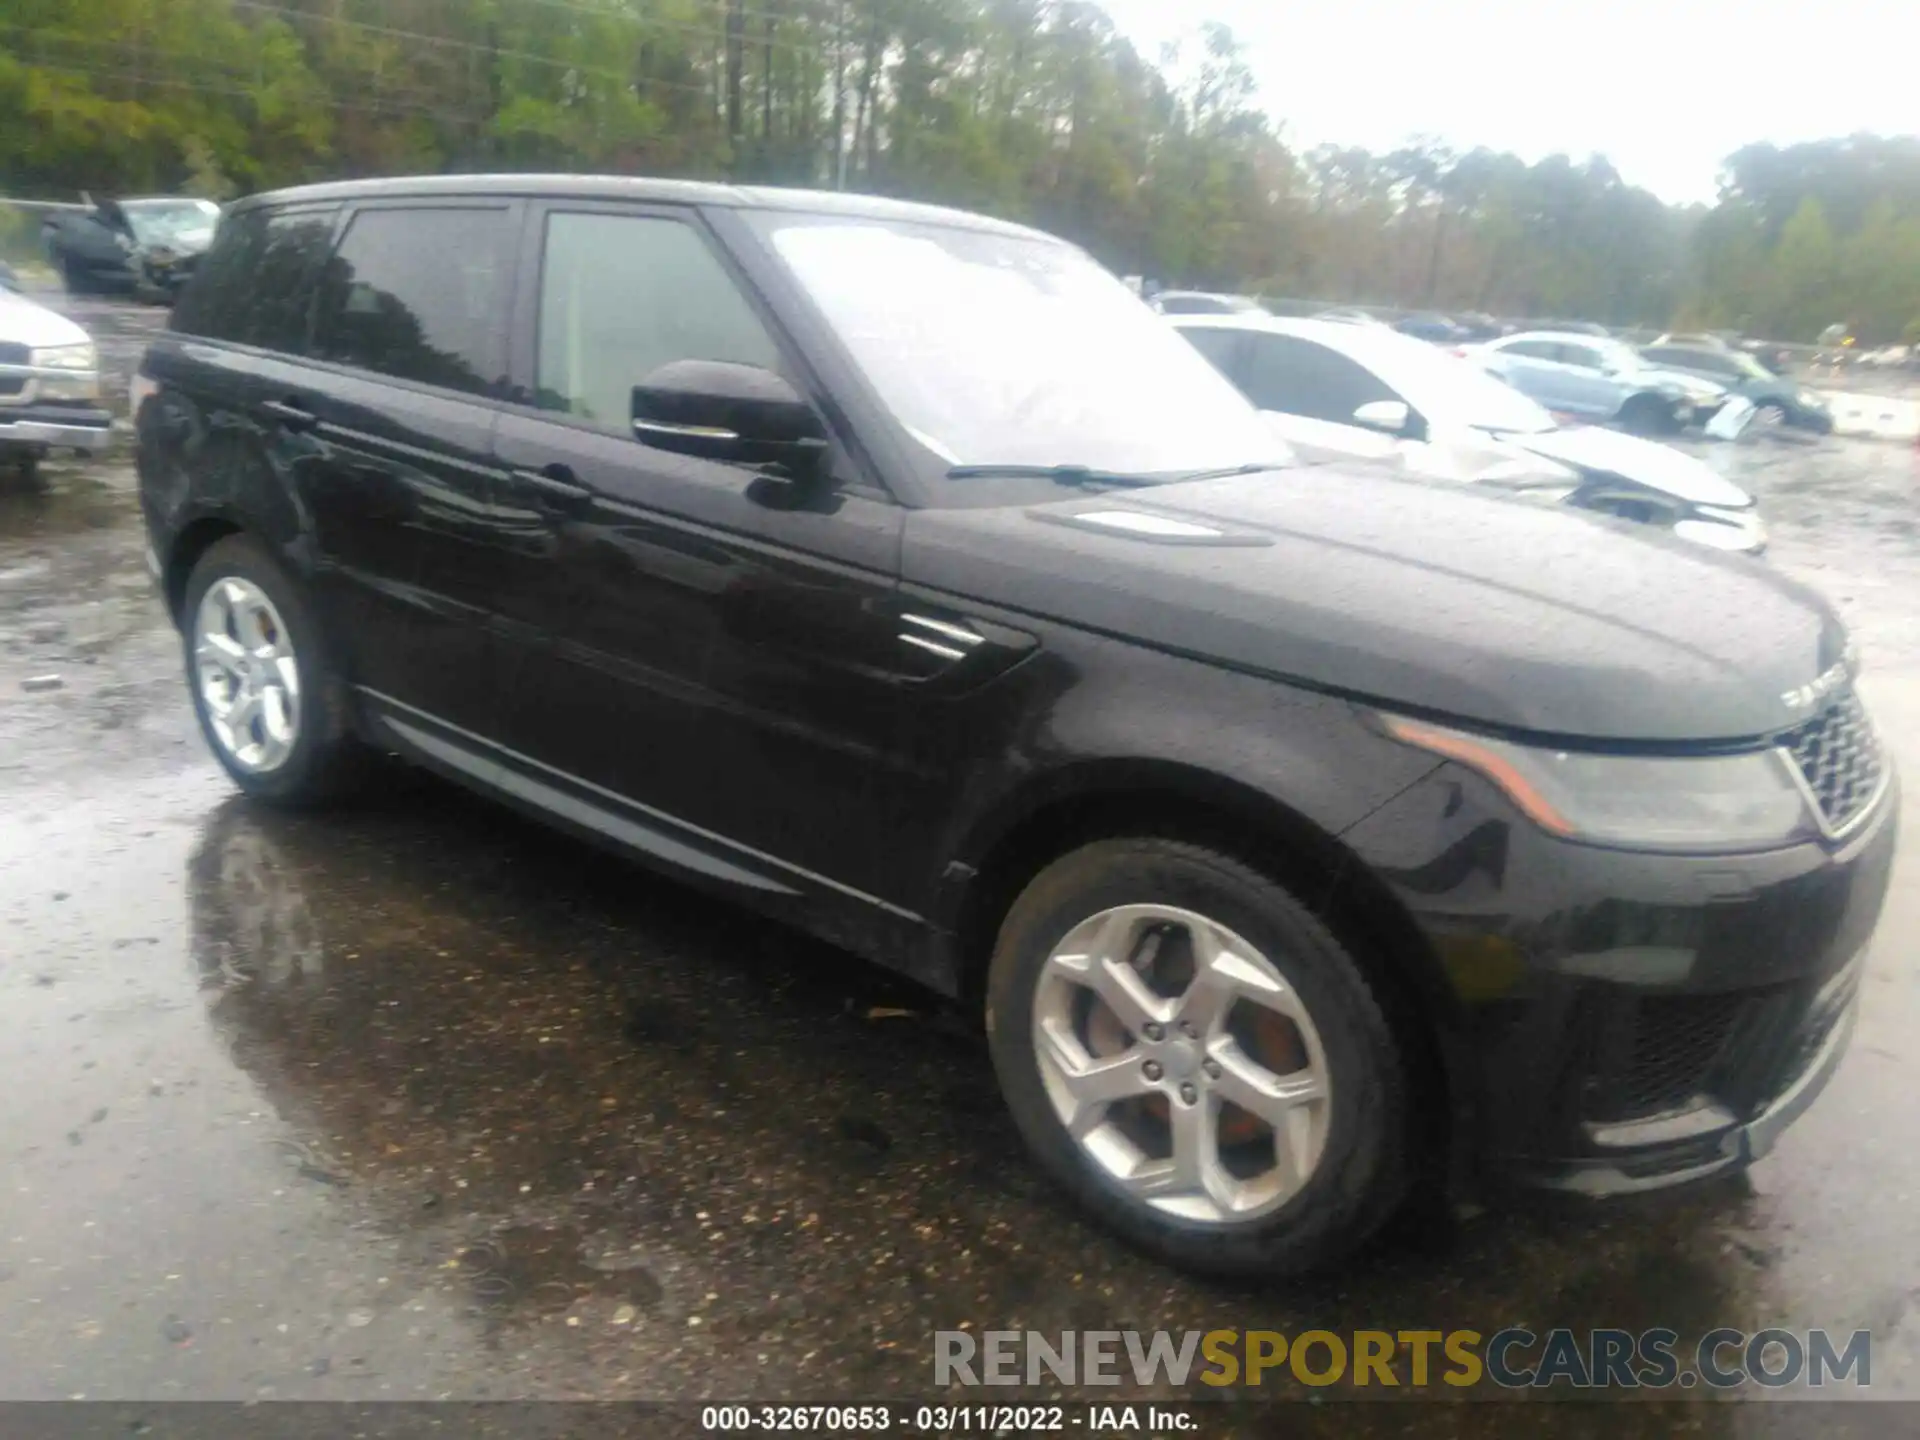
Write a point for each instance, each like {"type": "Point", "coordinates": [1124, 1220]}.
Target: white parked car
{"type": "Point", "coordinates": [1369, 392]}
{"type": "Point", "coordinates": [49, 383]}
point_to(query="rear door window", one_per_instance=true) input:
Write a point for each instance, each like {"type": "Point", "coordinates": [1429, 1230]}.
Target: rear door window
{"type": "Point", "coordinates": [1223, 347]}
{"type": "Point", "coordinates": [1532, 349]}
{"type": "Point", "coordinates": [422, 295]}
{"type": "Point", "coordinates": [256, 285]}
{"type": "Point", "coordinates": [1299, 377]}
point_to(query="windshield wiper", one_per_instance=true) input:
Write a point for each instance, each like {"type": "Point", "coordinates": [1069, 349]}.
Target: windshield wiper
{"type": "Point", "coordinates": [1252, 468]}
{"type": "Point", "coordinates": [1085, 475]}
{"type": "Point", "coordinates": [1090, 476]}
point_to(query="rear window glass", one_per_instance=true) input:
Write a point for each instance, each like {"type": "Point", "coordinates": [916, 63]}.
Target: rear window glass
{"type": "Point", "coordinates": [421, 295]}
{"type": "Point", "coordinates": [255, 286]}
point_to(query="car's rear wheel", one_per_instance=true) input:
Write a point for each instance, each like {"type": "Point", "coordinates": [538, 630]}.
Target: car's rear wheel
{"type": "Point", "coordinates": [271, 704]}
{"type": "Point", "coordinates": [1197, 1059]}
{"type": "Point", "coordinates": [1770, 416]}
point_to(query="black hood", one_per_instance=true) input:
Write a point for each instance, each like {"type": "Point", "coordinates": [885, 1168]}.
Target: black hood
{"type": "Point", "coordinates": [1434, 599]}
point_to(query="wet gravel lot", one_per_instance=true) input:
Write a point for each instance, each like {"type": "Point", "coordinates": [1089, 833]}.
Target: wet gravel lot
{"type": "Point", "coordinates": [422, 1101]}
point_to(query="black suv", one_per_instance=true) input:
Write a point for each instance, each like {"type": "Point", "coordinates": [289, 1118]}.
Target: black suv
{"type": "Point", "coordinates": [1303, 833]}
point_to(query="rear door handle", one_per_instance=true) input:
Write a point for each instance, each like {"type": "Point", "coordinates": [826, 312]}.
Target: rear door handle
{"type": "Point", "coordinates": [290, 415]}
{"type": "Point", "coordinates": [556, 485]}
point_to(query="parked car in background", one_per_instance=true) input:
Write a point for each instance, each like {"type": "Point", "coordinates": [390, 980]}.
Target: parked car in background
{"type": "Point", "coordinates": [1371, 394]}
{"type": "Point", "coordinates": [1776, 401]}
{"type": "Point", "coordinates": [1477, 328]}
{"type": "Point", "coordinates": [1300, 835]}
{"type": "Point", "coordinates": [1571, 327]}
{"type": "Point", "coordinates": [1595, 378]}
{"type": "Point", "coordinates": [1776, 359]}
{"type": "Point", "coordinates": [49, 384]}
{"type": "Point", "coordinates": [137, 246]}
{"type": "Point", "coordinates": [1350, 317]}
{"type": "Point", "coordinates": [1203, 302]}
{"type": "Point", "coordinates": [1434, 329]}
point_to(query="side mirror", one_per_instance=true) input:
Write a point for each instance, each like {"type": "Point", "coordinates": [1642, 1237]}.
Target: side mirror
{"type": "Point", "coordinates": [721, 411]}
{"type": "Point", "coordinates": [1390, 417]}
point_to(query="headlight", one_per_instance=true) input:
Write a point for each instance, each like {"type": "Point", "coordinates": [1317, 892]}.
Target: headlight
{"type": "Point", "coordinates": [67, 357]}
{"type": "Point", "coordinates": [1749, 801]}
{"type": "Point", "coordinates": [76, 374]}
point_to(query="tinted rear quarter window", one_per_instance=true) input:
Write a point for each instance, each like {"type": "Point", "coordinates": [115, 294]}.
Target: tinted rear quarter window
{"type": "Point", "coordinates": [421, 294]}
{"type": "Point", "coordinates": [256, 284]}
{"type": "Point", "coordinates": [1532, 349]}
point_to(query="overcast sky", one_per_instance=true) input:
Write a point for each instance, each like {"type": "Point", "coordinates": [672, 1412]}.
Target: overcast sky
{"type": "Point", "coordinates": [1663, 88]}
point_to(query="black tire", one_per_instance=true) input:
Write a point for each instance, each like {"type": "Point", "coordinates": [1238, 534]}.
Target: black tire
{"type": "Point", "coordinates": [74, 275]}
{"type": "Point", "coordinates": [327, 760]}
{"type": "Point", "coordinates": [1364, 1168]}
{"type": "Point", "coordinates": [1648, 415]}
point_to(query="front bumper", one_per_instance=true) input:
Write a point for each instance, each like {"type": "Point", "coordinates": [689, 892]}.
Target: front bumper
{"type": "Point", "coordinates": [48, 427]}
{"type": "Point", "coordinates": [1614, 1021]}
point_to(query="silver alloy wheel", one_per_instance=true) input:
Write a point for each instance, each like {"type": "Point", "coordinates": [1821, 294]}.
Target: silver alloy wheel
{"type": "Point", "coordinates": [248, 675]}
{"type": "Point", "coordinates": [1770, 416]}
{"type": "Point", "coordinates": [1182, 1063]}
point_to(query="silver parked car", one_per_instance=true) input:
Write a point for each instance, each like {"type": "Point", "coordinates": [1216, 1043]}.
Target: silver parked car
{"type": "Point", "coordinates": [1368, 392]}
{"type": "Point", "coordinates": [49, 384]}
{"type": "Point", "coordinates": [1596, 378]}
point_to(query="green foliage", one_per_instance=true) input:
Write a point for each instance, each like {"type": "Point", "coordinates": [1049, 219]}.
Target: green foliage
{"type": "Point", "coordinates": [1033, 109]}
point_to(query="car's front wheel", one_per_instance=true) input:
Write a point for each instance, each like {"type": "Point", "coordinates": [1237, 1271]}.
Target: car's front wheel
{"type": "Point", "coordinates": [273, 707]}
{"type": "Point", "coordinates": [1187, 1048]}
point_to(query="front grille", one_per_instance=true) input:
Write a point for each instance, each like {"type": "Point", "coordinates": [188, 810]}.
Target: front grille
{"type": "Point", "coordinates": [12, 384]}
{"type": "Point", "coordinates": [12, 353]}
{"type": "Point", "coordinates": [1677, 1039]}
{"type": "Point", "coordinates": [1840, 757]}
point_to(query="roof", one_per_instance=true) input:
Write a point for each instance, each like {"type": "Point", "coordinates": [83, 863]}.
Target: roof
{"type": "Point", "coordinates": [640, 189]}
{"type": "Point", "coordinates": [1562, 337]}
{"type": "Point", "coordinates": [1370, 344]}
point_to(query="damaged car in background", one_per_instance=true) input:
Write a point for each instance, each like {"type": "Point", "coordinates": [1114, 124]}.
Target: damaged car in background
{"type": "Point", "coordinates": [1367, 392]}
{"type": "Point", "coordinates": [147, 246]}
{"type": "Point", "coordinates": [49, 384]}
{"type": "Point", "coordinates": [1595, 378]}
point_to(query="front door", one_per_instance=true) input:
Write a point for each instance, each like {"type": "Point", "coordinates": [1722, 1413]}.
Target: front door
{"type": "Point", "coordinates": [708, 651]}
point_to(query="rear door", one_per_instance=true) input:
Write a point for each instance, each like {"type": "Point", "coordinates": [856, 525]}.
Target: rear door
{"type": "Point", "coordinates": [701, 652]}
{"type": "Point", "coordinates": [409, 360]}
{"type": "Point", "coordinates": [1588, 389]}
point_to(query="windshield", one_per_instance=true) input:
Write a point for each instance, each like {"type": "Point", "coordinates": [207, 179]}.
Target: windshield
{"type": "Point", "coordinates": [995, 349]}
{"type": "Point", "coordinates": [158, 221]}
{"type": "Point", "coordinates": [1452, 390]}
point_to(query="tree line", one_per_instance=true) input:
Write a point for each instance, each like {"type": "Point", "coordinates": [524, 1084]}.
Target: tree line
{"type": "Point", "coordinates": [1037, 110]}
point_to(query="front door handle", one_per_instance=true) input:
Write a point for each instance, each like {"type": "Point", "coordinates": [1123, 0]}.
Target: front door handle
{"type": "Point", "coordinates": [290, 415]}
{"type": "Point", "coordinates": [555, 486]}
